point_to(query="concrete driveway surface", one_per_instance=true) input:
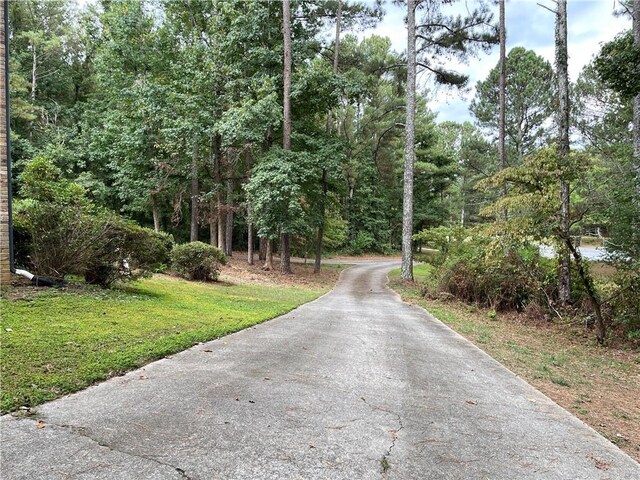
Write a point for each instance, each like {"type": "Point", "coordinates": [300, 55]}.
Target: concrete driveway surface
{"type": "Point", "coordinates": [355, 385]}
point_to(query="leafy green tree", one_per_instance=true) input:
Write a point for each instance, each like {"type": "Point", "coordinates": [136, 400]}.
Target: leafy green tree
{"type": "Point", "coordinates": [47, 52]}
{"type": "Point", "coordinates": [281, 192]}
{"type": "Point", "coordinates": [534, 206]}
{"type": "Point", "coordinates": [616, 65]}
{"type": "Point", "coordinates": [475, 161]}
{"type": "Point", "coordinates": [530, 94]}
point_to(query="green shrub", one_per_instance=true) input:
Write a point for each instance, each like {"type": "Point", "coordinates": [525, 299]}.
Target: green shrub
{"type": "Point", "coordinates": [56, 219]}
{"type": "Point", "coordinates": [127, 251]}
{"type": "Point", "coordinates": [197, 261]}
{"type": "Point", "coordinates": [625, 299]}
{"type": "Point", "coordinates": [494, 272]}
{"type": "Point", "coordinates": [364, 242]}
{"type": "Point", "coordinates": [62, 232]}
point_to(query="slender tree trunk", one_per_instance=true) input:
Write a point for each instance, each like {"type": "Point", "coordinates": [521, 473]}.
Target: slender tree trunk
{"type": "Point", "coordinates": [34, 81]}
{"type": "Point", "coordinates": [5, 173]}
{"type": "Point", "coordinates": [213, 226]}
{"type": "Point", "coordinates": [34, 72]}
{"type": "Point", "coordinates": [587, 282]}
{"type": "Point", "coordinates": [409, 149]}
{"type": "Point", "coordinates": [320, 239]}
{"type": "Point", "coordinates": [562, 58]}
{"type": "Point", "coordinates": [222, 244]}
{"type": "Point", "coordinates": [266, 146]}
{"type": "Point", "coordinates": [502, 96]}
{"type": "Point", "coordinates": [336, 60]}
{"type": "Point", "coordinates": [636, 133]}
{"type": "Point", "coordinates": [285, 253]}
{"type": "Point", "coordinates": [217, 167]}
{"type": "Point", "coordinates": [194, 195]}
{"type": "Point", "coordinates": [155, 213]}
{"type": "Point", "coordinates": [262, 249]}
{"type": "Point", "coordinates": [229, 222]}
{"type": "Point", "coordinates": [249, 157]}
{"type": "Point", "coordinates": [250, 244]}
{"type": "Point", "coordinates": [268, 257]}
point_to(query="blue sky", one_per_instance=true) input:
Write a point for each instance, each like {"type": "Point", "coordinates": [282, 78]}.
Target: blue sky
{"type": "Point", "coordinates": [591, 23]}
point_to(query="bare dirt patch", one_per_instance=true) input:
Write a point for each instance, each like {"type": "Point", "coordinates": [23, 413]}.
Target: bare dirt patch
{"type": "Point", "coordinates": [237, 269]}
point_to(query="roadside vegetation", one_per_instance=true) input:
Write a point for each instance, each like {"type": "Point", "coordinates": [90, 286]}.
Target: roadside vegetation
{"type": "Point", "coordinates": [57, 341]}
{"type": "Point", "coordinates": [598, 384]}
{"type": "Point", "coordinates": [147, 139]}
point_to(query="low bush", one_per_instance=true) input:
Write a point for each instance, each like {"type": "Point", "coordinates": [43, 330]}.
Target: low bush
{"type": "Point", "coordinates": [61, 232]}
{"type": "Point", "coordinates": [363, 242]}
{"type": "Point", "coordinates": [197, 261]}
{"type": "Point", "coordinates": [494, 272]}
{"type": "Point", "coordinates": [126, 251]}
{"type": "Point", "coordinates": [623, 298]}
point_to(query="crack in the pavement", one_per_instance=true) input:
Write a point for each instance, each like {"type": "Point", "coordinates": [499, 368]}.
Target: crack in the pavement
{"type": "Point", "coordinates": [81, 431]}
{"type": "Point", "coordinates": [384, 461]}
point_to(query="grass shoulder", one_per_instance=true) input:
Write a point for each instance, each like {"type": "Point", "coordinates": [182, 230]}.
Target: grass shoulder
{"type": "Point", "coordinates": [599, 385]}
{"type": "Point", "coordinates": [57, 341]}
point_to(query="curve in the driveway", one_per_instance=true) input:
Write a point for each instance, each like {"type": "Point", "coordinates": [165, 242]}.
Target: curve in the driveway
{"type": "Point", "coordinates": [355, 385]}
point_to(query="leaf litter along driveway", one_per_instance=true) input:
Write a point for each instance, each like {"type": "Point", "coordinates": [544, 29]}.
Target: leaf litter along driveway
{"type": "Point", "coordinates": [354, 385]}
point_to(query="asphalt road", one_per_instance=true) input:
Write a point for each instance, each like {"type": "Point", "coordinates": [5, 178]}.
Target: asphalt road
{"type": "Point", "coordinates": [356, 385]}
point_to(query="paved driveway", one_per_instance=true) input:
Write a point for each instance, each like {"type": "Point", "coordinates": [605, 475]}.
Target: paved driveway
{"type": "Point", "coordinates": [356, 385]}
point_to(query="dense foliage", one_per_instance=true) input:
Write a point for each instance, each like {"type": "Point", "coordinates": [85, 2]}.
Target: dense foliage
{"type": "Point", "coordinates": [141, 114]}
{"type": "Point", "coordinates": [67, 233]}
{"type": "Point", "coordinates": [197, 261]}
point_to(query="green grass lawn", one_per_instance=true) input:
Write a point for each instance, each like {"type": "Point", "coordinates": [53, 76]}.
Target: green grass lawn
{"type": "Point", "coordinates": [56, 342]}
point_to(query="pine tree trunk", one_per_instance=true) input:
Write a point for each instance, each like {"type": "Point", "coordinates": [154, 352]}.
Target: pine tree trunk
{"type": "Point", "coordinates": [319, 241]}
{"type": "Point", "coordinates": [336, 58]}
{"type": "Point", "coordinates": [34, 70]}
{"type": "Point", "coordinates": [562, 57]}
{"type": "Point", "coordinates": [194, 195]}
{"type": "Point", "coordinates": [502, 96]}
{"type": "Point", "coordinates": [213, 220]}
{"type": "Point", "coordinates": [34, 80]}
{"type": "Point", "coordinates": [217, 166]}
{"type": "Point", "coordinates": [285, 253]}
{"type": "Point", "coordinates": [285, 249]}
{"type": "Point", "coordinates": [222, 244]}
{"type": "Point", "coordinates": [587, 282]}
{"type": "Point", "coordinates": [409, 150]}
{"type": "Point", "coordinates": [636, 133]}
{"type": "Point", "coordinates": [5, 183]}
{"type": "Point", "coordinates": [286, 100]}
{"type": "Point", "coordinates": [229, 222]}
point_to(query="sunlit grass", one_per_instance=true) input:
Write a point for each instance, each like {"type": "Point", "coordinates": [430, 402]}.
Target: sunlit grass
{"type": "Point", "coordinates": [57, 342]}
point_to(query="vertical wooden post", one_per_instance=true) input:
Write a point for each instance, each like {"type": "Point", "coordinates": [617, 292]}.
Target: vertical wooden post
{"type": "Point", "coordinates": [5, 177]}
